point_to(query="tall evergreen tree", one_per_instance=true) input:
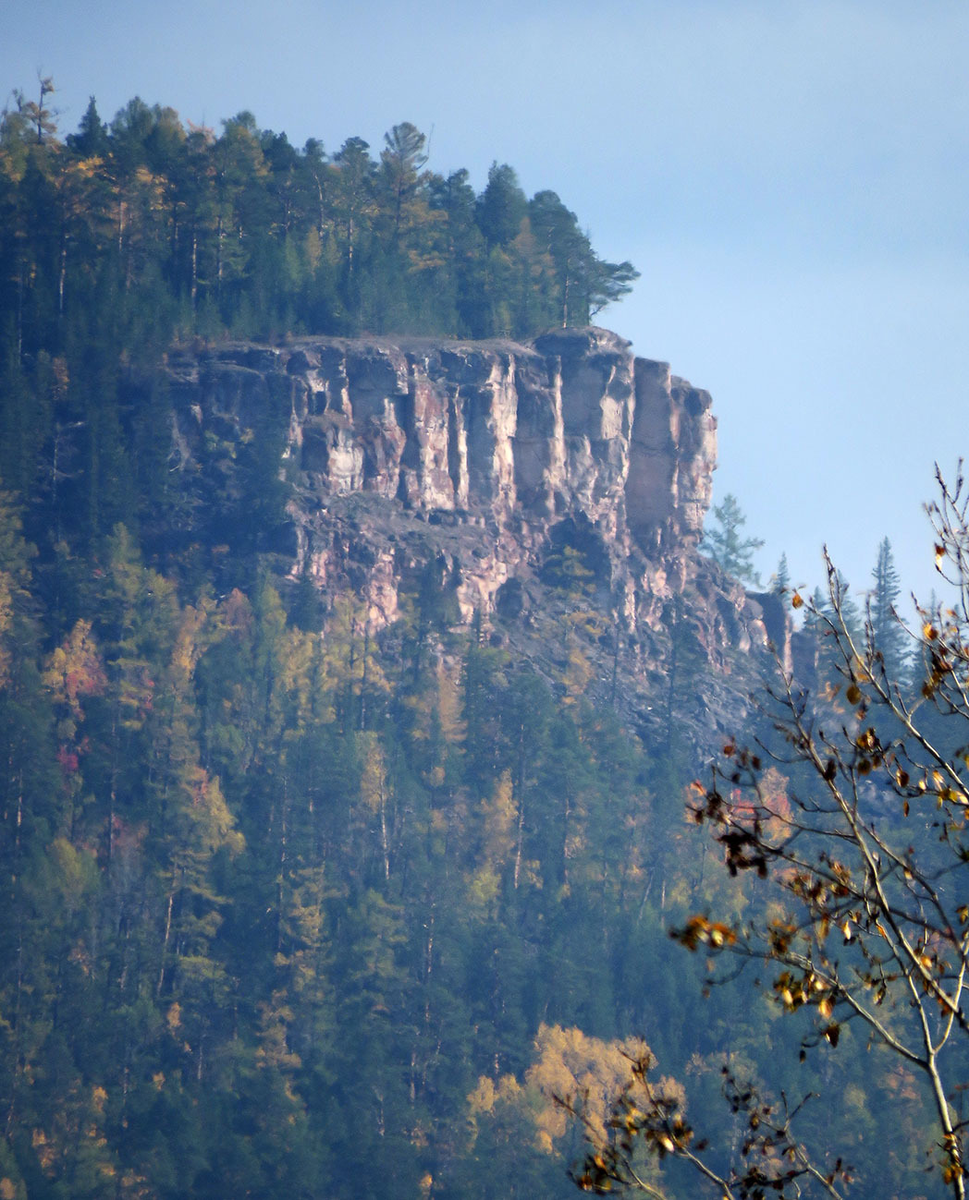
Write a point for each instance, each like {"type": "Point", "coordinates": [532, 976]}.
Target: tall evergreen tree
{"type": "Point", "coordinates": [781, 579]}
{"type": "Point", "coordinates": [887, 632]}
{"type": "Point", "coordinates": [400, 163]}
{"type": "Point", "coordinates": [727, 546]}
{"type": "Point", "coordinates": [92, 133]}
{"type": "Point", "coordinates": [353, 188]}
{"type": "Point", "coordinates": [502, 206]}
{"type": "Point", "coordinates": [557, 233]}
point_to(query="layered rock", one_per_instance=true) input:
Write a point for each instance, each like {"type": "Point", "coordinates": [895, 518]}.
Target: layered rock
{"type": "Point", "coordinates": [490, 462]}
{"type": "Point", "coordinates": [522, 435]}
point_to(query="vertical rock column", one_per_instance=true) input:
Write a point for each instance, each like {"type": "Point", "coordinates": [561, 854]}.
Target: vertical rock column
{"type": "Point", "coordinates": [672, 457]}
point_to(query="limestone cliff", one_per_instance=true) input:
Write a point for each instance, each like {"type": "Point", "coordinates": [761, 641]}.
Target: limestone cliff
{"type": "Point", "coordinates": [535, 481]}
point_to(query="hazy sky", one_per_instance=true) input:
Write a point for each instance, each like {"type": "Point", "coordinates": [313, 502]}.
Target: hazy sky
{"type": "Point", "coordinates": [789, 177]}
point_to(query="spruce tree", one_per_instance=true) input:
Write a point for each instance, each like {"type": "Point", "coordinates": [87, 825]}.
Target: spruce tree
{"type": "Point", "coordinates": [502, 206]}
{"type": "Point", "coordinates": [781, 579]}
{"type": "Point", "coordinates": [726, 545]}
{"type": "Point", "coordinates": [887, 632]}
{"type": "Point", "coordinates": [92, 133]}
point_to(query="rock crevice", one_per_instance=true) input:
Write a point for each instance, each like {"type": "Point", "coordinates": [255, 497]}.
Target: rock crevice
{"type": "Point", "coordinates": [536, 478]}
{"type": "Point", "coordinates": [570, 424]}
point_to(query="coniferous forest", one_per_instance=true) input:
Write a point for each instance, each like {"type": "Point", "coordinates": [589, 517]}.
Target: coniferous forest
{"type": "Point", "coordinates": [288, 910]}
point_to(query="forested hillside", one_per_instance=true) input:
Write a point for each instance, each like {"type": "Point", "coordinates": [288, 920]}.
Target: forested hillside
{"type": "Point", "coordinates": [179, 230]}
{"type": "Point", "coordinates": [297, 902]}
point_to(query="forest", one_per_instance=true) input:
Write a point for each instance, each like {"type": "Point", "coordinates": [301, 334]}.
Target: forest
{"type": "Point", "coordinates": [289, 910]}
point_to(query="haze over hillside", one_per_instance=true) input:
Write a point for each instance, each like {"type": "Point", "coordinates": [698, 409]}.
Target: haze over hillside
{"type": "Point", "coordinates": [357, 650]}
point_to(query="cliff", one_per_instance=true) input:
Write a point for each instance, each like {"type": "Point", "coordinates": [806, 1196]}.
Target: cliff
{"type": "Point", "coordinates": [531, 481]}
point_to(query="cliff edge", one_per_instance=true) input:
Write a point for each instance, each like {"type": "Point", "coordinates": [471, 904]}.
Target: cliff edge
{"type": "Point", "coordinates": [528, 482]}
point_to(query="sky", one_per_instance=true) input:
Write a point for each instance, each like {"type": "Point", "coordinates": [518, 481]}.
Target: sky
{"type": "Point", "coordinates": [789, 177]}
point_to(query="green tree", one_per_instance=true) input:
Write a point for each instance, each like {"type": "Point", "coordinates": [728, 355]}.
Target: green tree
{"type": "Point", "coordinates": [865, 930]}
{"type": "Point", "coordinates": [780, 581]}
{"type": "Point", "coordinates": [887, 630]}
{"type": "Point", "coordinates": [271, 897]}
{"type": "Point", "coordinates": [557, 232]}
{"type": "Point", "coordinates": [240, 212]}
{"type": "Point", "coordinates": [91, 138]}
{"type": "Point", "coordinates": [726, 544]}
{"type": "Point", "coordinates": [463, 244]}
{"type": "Point", "coordinates": [400, 163]}
{"type": "Point", "coordinates": [130, 231]}
{"type": "Point", "coordinates": [829, 609]}
{"type": "Point", "coordinates": [354, 188]}
{"type": "Point", "coordinates": [502, 206]}
{"type": "Point", "coordinates": [609, 282]}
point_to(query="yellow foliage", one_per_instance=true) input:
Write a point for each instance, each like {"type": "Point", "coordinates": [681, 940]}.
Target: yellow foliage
{"type": "Point", "coordinates": [483, 888]}
{"type": "Point", "coordinates": [577, 675]}
{"type": "Point", "coordinates": [75, 669]}
{"type": "Point", "coordinates": [275, 1018]}
{"type": "Point", "coordinates": [593, 623]}
{"type": "Point", "coordinates": [499, 820]}
{"type": "Point", "coordinates": [6, 619]}
{"type": "Point", "coordinates": [348, 650]}
{"type": "Point", "coordinates": [482, 1099]}
{"type": "Point", "coordinates": [214, 823]}
{"type": "Point", "coordinates": [567, 1063]}
{"type": "Point", "coordinates": [570, 1063]}
{"type": "Point", "coordinates": [486, 1096]}
{"type": "Point", "coordinates": [72, 866]}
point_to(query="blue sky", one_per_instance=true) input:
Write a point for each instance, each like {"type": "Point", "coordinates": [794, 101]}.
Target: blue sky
{"type": "Point", "coordinates": [789, 177]}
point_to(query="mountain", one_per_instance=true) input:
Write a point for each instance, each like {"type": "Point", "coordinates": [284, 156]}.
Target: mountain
{"type": "Point", "coordinates": [351, 687]}
{"type": "Point", "coordinates": [343, 823]}
{"type": "Point", "coordinates": [524, 483]}
{"type": "Point", "coordinates": [325, 800]}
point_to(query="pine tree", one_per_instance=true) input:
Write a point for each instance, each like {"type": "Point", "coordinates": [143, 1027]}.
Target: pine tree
{"type": "Point", "coordinates": [502, 206]}
{"type": "Point", "coordinates": [886, 631]}
{"type": "Point", "coordinates": [401, 162]}
{"type": "Point", "coordinates": [781, 579]}
{"type": "Point", "coordinates": [92, 134]}
{"type": "Point", "coordinates": [727, 547]}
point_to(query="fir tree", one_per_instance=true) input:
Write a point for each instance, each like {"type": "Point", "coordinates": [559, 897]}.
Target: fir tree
{"type": "Point", "coordinates": [781, 579]}
{"type": "Point", "coordinates": [887, 632]}
{"type": "Point", "coordinates": [726, 545]}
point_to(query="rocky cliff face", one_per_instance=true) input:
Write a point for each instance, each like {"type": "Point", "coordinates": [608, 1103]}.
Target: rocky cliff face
{"type": "Point", "coordinates": [531, 480]}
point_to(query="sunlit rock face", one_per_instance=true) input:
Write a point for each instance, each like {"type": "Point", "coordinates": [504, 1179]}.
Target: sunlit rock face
{"type": "Point", "coordinates": [496, 466]}
{"type": "Point", "coordinates": [568, 425]}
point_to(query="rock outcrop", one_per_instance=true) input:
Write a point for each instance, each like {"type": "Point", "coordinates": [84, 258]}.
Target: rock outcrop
{"type": "Point", "coordinates": [527, 478]}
